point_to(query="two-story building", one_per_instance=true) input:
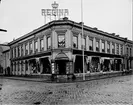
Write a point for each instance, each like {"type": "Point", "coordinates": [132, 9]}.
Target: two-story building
{"type": "Point", "coordinates": [56, 48]}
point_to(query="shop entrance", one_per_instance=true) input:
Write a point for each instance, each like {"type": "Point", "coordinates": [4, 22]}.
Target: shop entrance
{"type": "Point", "coordinates": [61, 65]}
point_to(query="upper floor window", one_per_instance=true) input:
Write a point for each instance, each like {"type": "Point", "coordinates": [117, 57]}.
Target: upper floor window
{"type": "Point", "coordinates": [83, 43]}
{"type": "Point", "coordinates": [97, 45]}
{"type": "Point", "coordinates": [14, 52]}
{"type": "Point", "coordinates": [127, 51]}
{"type": "Point", "coordinates": [91, 44]}
{"type": "Point", "coordinates": [22, 50]}
{"type": "Point", "coordinates": [11, 53]}
{"type": "Point", "coordinates": [75, 42]}
{"type": "Point", "coordinates": [108, 47]}
{"type": "Point", "coordinates": [103, 46]}
{"type": "Point", "coordinates": [61, 40]}
{"type": "Point", "coordinates": [41, 45]}
{"type": "Point", "coordinates": [49, 42]}
{"type": "Point", "coordinates": [117, 48]}
{"type": "Point", "coordinates": [113, 48]}
{"type": "Point", "coordinates": [121, 49]}
{"type": "Point", "coordinates": [26, 49]}
{"type": "Point", "coordinates": [36, 46]}
{"type": "Point", "coordinates": [31, 48]}
{"type": "Point", "coordinates": [18, 51]}
{"type": "Point", "coordinates": [130, 52]}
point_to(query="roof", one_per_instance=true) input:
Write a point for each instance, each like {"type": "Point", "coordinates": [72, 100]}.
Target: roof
{"type": "Point", "coordinates": [65, 21]}
{"type": "Point", "coordinates": [4, 47]}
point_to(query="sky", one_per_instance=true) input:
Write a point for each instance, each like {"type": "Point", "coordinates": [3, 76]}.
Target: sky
{"type": "Point", "coordinates": [20, 17]}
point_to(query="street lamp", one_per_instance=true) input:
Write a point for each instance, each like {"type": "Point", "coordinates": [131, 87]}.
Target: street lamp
{"type": "Point", "coordinates": [82, 37]}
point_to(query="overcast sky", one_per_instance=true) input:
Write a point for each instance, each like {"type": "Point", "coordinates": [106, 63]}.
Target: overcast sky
{"type": "Point", "coordinates": [19, 17]}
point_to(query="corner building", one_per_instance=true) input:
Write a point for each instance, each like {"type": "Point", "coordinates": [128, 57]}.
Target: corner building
{"type": "Point", "coordinates": [56, 48]}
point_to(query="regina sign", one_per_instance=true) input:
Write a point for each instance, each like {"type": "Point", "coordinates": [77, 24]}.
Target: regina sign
{"type": "Point", "coordinates": [55, 12]}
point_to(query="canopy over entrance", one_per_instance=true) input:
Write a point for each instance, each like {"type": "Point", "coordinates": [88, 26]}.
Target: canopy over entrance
{"type": "Point", "coordinates": [61, 56]}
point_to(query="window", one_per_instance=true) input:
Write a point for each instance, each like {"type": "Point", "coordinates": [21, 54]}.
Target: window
{"type": "Point", "coordinates": [41, 45]}
{"type": "Point", "coordinates": [108, 47]}
{"type": "Point", "coordinates": [48, 42]}
{"type": "Point", "coordinates": [103, 46]}
{"type": "Point", "coordinates": [75, 42]}
{"type": "Point", "coordinates": [61, 40]}
{"type": "Point", "coordinates": [127, 51]}
{"type": "Point", "coordinates": [26, 49]}
{"type": "Point", "coordinates": [18, 51]}
{"type": "Point", "coordinates": [121, 50]}
{"type": "Point", "coordinates": [113, 48]}
{"type": "Point", "coordinates": [36, 46]}
{"type": "Point", "coordinates": [83, 43]}
{"type": "Point", "coordinates": [31, 48]}
{"type": "Point", "coordinates": [130, 52]}
{"type": "Point", "coordinates": [97, 45]}
{"type": "Point", "coordinates": [21, 50]}
{"type": "Point", "coordinates": [117, 48]}
{"type": "Point", "coordinates": [91, 44]}
{"type": "Point", "coordinates": [14, 52]}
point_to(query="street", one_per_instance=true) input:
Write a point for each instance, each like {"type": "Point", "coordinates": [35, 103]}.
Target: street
{"type": "Point", "coordinates": [109, 91]}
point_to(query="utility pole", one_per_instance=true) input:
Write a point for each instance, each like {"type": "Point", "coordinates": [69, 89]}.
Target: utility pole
{"type": "Point", "coordinates": [82, 39]}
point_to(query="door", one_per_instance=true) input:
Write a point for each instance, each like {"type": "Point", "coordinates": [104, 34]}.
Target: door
{"type": "Point", "coordinates": [61, 66]}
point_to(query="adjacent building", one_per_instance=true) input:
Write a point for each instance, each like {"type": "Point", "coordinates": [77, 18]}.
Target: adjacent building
{"type": "Point", "coordinates": [56, 48]}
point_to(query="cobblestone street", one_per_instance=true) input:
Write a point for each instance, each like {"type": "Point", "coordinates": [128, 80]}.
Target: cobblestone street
{"type": "Point", "coordinates": [110, 91]}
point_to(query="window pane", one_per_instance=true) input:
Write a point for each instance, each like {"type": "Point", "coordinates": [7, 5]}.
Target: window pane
{"type": "Point", "coordinates": [83, 43]}
{"type": "Point", "coordinates": [117, 48]}
{"type": "Point", "coordinates": [97, 45]}
{"type": "Point", "coordinates": [103, 46]}
{"type": "Point", "coordinates": [49, 42]}
{"type": "Point", "coordinates": [75, 42]}
{"type": "Point", "coordinates": [36, 46]}
{"type": "Point", "coordinates": [108, 47]}
{"type": "Point", "coordinates": [113, 48]}
{"type": "Point", "coordinates": [61, 40]}
{"type": "Point", "coordinates": [41, 44]}
{"type": "Point", "coordinates": [91, 44]}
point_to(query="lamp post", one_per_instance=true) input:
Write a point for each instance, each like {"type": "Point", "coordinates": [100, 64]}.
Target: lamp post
{"type": "Point", "coordinates": [82, 37]}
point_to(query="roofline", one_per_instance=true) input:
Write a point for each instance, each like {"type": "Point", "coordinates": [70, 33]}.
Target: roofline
{"type": "Point", "coordinates": [69, 22]}
{"type": "Point", "coordinates": [5, 51]}
{"type": "Point", "coordinates": [4, 45]}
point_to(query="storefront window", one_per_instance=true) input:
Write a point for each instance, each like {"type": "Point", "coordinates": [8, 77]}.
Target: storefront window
{"type": "Point", "coordinates": [75, 42]}
{"type": "Point", "coordinates": [48, 42]}
{"type": "Point", "coordinates": [61, 40]}
{"type": "Point", "coordinates": [91, 44]}
{"type": "Point", "coordinates": [103, 46]}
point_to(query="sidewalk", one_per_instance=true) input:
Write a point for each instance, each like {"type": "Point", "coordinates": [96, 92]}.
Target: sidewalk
{"type": "Point", "coordinates": [62, 78]}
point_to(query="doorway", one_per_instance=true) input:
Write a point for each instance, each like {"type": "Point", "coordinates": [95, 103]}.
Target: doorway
{"type": "Point", "coordinates": [61, 66]}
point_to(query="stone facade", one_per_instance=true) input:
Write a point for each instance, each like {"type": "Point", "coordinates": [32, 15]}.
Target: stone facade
{"type": "Point", "coordinates": [56, 48]}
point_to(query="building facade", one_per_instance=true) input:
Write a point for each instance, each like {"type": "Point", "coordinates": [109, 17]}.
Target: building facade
{"type": "Point", "coordinates": [4, 47]}
{"type": "Point", "coordinates": [56, 48]}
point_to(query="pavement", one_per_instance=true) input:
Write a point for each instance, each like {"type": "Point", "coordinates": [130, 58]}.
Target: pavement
{"type": "Point", "coordinates": [108, 91]}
